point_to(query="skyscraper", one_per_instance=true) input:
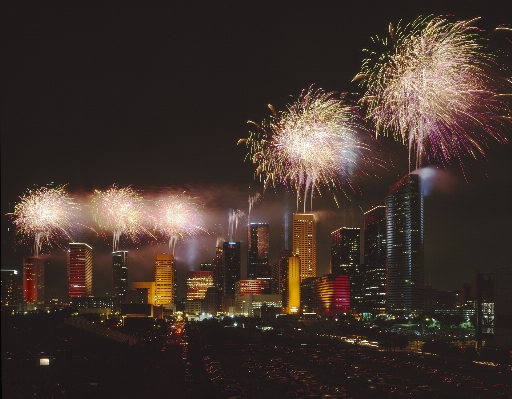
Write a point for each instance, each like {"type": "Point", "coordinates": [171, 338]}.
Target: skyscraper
{"type": "Point", "coordinates": [293, 288]}
{"type": "Point", "coordinates": [79, 270]}
{"type": "Point", "coordinates": [33, 280]}
{"type": "Point", "coordinates": [258, 266]}
{"type": "Point", "coordinates": [232, 264]}
{"type": "Point", "coordinates": [405, 256]}
{"type": "Point", "coordinates": [304, 243]}
{"type": "Point", "coordinates": [345, 259]}
{"type": "Point", "coordinates": [9, 287]}
{"type": "Point", "coordinates": [375, 258]}
{"type": "Point", "coordinates": [119, 273]}
{"type": "Point", "coordinates": [164, 281]}
{"type": "Point", "coordinates": [197, 284]}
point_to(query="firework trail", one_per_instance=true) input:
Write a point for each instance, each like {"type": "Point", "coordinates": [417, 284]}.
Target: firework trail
{"type": "Point", "coordinates": [47, 214]}
{"type": "Point", "coordinates": [314, 142]}
{"type": "Point", "coordinates": [252, 200]}
{"type": "Point", "coordinates": [122, 211]}
{"type": "Point", "coordinates": [434, 89]}
{"type": "Point", "coordinates": [234, 216]}
{"type": "Point", "coordinates": [177, 216]}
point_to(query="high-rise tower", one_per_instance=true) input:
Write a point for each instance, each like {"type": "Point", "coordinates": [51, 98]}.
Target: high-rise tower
{"type": "Point", "coordinates": [33, 280]}
{"type": "Point", "coordinates": [79, 270]}
{"type": "Point", "coordinates": [164, 281]}
{"type": "Point", "coordinates": [304, 243]}
{"type": "Point", "coordinates": [405, 240]}
{"type": "Point", "coordinates": [258, 266]}
{"type": "Point", "coordinates": [232, 263]}
{"type": "Point", "coordinates": [375, 258]}
{"type": "Point", "coordinates": [119, 273]}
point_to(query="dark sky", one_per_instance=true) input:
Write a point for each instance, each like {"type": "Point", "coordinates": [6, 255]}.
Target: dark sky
{"type": "Point", "coordinates": [158, 93]}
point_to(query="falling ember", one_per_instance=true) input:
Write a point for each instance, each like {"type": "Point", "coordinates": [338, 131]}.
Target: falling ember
{"type": "Point", "coordinates": [122, 211]}
{"type": "Point", "coordinates": [47, 214]}
{"type": "Point", "coordinates": [177, 216]}
{"type": "Point", "coordinates": [434, 89]}
{"type": "Point", "coordinates": [314, 143]}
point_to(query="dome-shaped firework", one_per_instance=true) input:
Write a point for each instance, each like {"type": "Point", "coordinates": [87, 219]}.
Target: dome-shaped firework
{"type": "Point", "coordinates": [122, 211]}
{"type": "Point", "coordinates": [314, 142]}
{"type": "Point", "coordinates": [434, 90]}
{"type": "Point", "coordinates": [47, 214]}
{"type": "Point", "coordinates": [177, 216]}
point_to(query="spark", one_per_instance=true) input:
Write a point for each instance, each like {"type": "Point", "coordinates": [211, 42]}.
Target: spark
{"type": "Point", "coordinates": [253, 199]}
{"type": "Point", "coordinates": [315, 142]}
{"type": "Point", "coordinates": [234, 217]}
{"type": "Point", "coordinates": [177, 216]}
{"type": "Point", "coordinates": [433, 88]}
{"type": "Point", "coordinates": [122, 211]}
{"type": "Point", "coordinates": [46, 214]}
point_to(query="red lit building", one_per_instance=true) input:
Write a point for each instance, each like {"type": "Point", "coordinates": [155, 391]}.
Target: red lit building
{"type": "Point", "coordinates": [79, 270]}
{"type": "Point", "coordinates": [329, 296]}
{"type": "Point", "coordinates": [33, 280]}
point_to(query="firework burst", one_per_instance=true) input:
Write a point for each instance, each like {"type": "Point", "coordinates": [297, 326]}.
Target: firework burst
{"type": "Point", "coordinates": [177, 216]}
{"type": "Point", "coordinates": [315, 142]}
{"type": "Point", "coordinates": [122, 211]}
{"type": "Point", "coordinates": [432, 87]}
{"type": "Point", "coordinates": [46, 214]}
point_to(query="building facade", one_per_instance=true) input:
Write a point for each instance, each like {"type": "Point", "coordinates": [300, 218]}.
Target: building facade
{"type": "Point", "coordinates": [258, 266]}
{"type": "Point", "coordinates": [33, 280]}
{"type": "Point", "coordinates": [79, 270]}
{"type": "Point", "coordinates": [10, 287]}
{"type": "Point", "coordinates": [375, 255]}
{"type": "Point", "coordinates": [232, 264]}
{"type": "Point", "coordinates": [304, 243]}
{"type": "Point", "coordinates": [165, 279]}
{"type": "Point", "coordinates": [197, 284]}
{"type": "Point", "coordinates": [405, 241]}
{"type": "Point", "coordinates": [119, 273]}
{"type": "Point", "coordinates": [293, 288]}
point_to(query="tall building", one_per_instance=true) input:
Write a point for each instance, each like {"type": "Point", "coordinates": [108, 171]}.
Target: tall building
{"type": "Point", "coordinates": [79, 270]}
{"type": "Point", "coordinates": [293, 288]}
{"type": "Point", "coordinates": [9, 287]}
{"type": "Point", "coordinates": [375, 258]}
{"type": "Point", "coordinates": [280, 271]}
{"type": "Point", "coordinates": [405, 240]}
{"type": "Point", "coordinates": [218, 269]}
{"type": "Point", "coordinates": [345, 259]}
{"type": "Point", "coordinates": [258, 266]}
{"type": "Point", "coordinates": [232, 264]}
{"type": "Point", "coordinates": [165, 281]}
{"type": "Point", "coordinates": [197, 284]}
{"type": "Point", "coordinates": [33, 280]}
{"type": "Point", "coordinates": [119, 273]}
{"type": "Point", "coordinates": [146, 290]}
{"type": "Point", "coordinates": [304, 243]}
{"type": "Point", "coordinates": [328, 295]}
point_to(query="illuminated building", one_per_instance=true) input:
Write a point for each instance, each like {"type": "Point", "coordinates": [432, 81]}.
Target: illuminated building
{"type": "Point", "coordinates": [345, 259]}
{"type": "Point", "coordinates": [79, 270]}
{"type": "Point", "coordinates": [244, 288]}
{"type": "Point", "coordinates": [304, 243]}
{"type": "Point", "coordinates": [258, 266]}
{"type": "Point", "coordinates": [119, 273]}
{"type": "Point", "coordinates": [33, 280]}
{"type": "Point", "coordinates": [405, 256]}
{"type": "Point", "coordinates": [197, 284]}
{"type": "Point", "coordinates": [332, 295]}
{"type": "Point", "coordinates": [293, 289]}
{"type": "Point", "coordinates": [232, 264]}
{"type": "Point", "coordinates": [9, 287]}
{"type": "Point", "coordinates": [280, 271]}
{"type": "Point", "coordinates": [218, 269]}
{"type": "Point", "coordinates": [375, 258]}
{"type": "Point", "coordinates": [164, 281]}
{"type": "Point", "coordinates": [146, 290]}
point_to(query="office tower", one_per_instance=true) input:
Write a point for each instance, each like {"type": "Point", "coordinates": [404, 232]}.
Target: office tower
{"type": "Point", "coordinates": [79, 270]}
{"type": "Point", "coordinates": [375, 258]}
{"type": "Point", "coordinates": [304, 243]}
{"type": "Point", "coordinates": [244, 288]}
{"type": "Point", "coordinates": [345, 259]}
{"type": "Point", "coordinates": [218, 266]}
{"type": "Point", "coordinates": [328, 295]}
{"type": "Point", "coordinates": [232, 263]}
{"type": "Point", "coordinates": [280, 271]}
{"type": "Point", "coordinates": [293, 288]}
{"type": "Point", "coordinates": [258, 266]}
{"type": "Point", "coordinates": [197, 284]}
{"type": "Point", "coordinates": [404, 229]}
{"type": "Point", "coordinates": [33, 280]}
{"type": "Point", "coordinates": [9, 287]}
{"type": "Point", "coordinates": [164, 281]}
{"type": "Point", "coordinates": [119, 273]}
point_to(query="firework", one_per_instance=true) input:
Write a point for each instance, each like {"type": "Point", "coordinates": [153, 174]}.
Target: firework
{"type": "Point", "coordinates": [234, 217]}
{"type": "Point", "coordinates": [251, 201]}
{"type": "Point", "coordinates": [122, 211]}
{"type": "Point", "coordinates": [46, 214]}
{"type": "Point", "coordinates": [178, 216]}
{"type": "Point", "coordinates": [315, 142]}
{"type": "Point", "coordinates": [432, 87]}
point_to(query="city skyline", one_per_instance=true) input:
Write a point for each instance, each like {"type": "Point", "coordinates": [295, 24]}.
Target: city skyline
{"type": "Point", "coordinates": [151, 110]}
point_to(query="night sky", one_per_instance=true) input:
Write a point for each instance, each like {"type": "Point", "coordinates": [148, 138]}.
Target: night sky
{"type": "Point", "coordinates": [156, 94]}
